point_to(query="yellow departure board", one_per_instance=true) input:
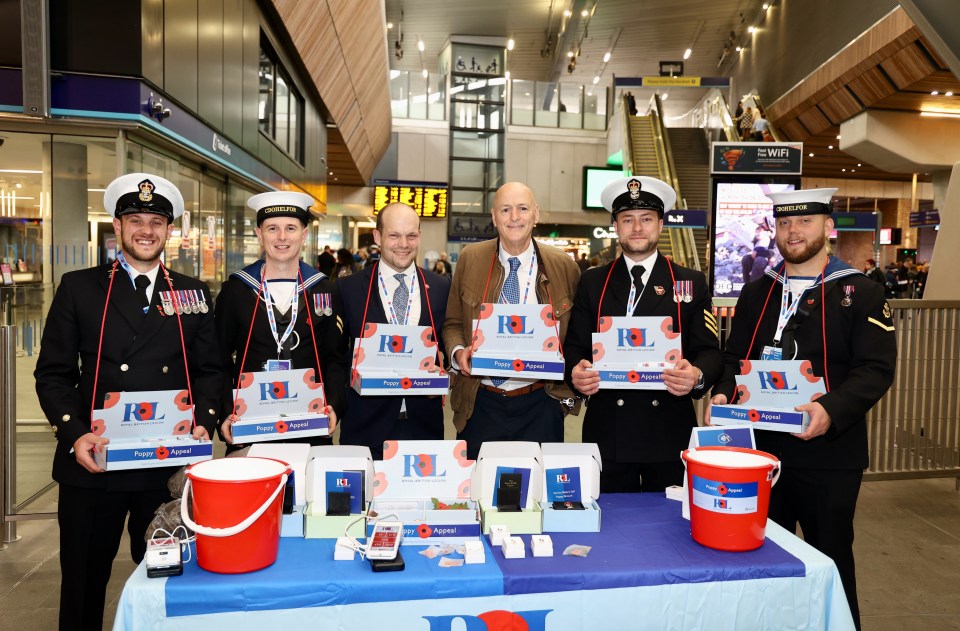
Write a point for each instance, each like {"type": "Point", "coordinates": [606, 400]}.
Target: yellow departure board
{"type": "Point", "coordinates": [429, 200]}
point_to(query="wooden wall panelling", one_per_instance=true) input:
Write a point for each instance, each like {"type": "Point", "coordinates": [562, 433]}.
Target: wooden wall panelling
{"type": "Point", "coordinates": [814, 120]}
{"type": "Point", "coordinates": [871, 86]}
{"type": "Point", "coordinates": [840, 106]}
{"type": "Point", "coordinates": [907, 66]}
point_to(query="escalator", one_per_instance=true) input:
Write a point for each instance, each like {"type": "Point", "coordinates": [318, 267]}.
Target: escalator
{"type": "Point", "coordinates": [691, 159]}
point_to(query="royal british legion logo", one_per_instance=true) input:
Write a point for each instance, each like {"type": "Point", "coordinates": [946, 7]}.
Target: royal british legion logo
{"type": "Point", "coordinates": [146, 411]}
{"type": "Point", "coordinates": [512, 325]}
{"type": "Point", "coordinates": [275, 390]}
{"type": "Point", "coordinates": [498, 620]}
{"type": "Point", "coordinates": [633, 338]}
{"type": "Point", "coordinates": [563, 478]}
{"type": "Point", "coordinates": [421, 466]}
{"type": "Point", "coordinates": [394, 344]}
{"type": "Point", "coordinates": [774, 380]}
{"type": "Point", "coordinates": [342, 482]}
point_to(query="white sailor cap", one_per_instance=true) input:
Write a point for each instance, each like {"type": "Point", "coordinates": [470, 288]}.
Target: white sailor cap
{"type": "Point", "coordinates": [638, 193]}
{"type": "Point", "coordinates": [142, 193]}
{"type": "Point", "coordinates": [281, 204]}
{"type": "Point", "coordinates": [814, 201]}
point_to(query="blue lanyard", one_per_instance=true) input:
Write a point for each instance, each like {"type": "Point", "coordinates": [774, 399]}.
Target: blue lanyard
{"type": "Point", "coordinates": [272, 319]}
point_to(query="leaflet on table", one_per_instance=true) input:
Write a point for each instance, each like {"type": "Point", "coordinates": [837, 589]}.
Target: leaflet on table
{"type": "Point", "coordinates": [335, 458]}
{"type": "Point", "coordinates": [426, 483]}
{"type": "Point", "coordinates": [147, 429]}
{"type": "Point", "coordinates": [279, 404]}
{"type": "Point", "coordinates": [393, 360]}
{"type": "Point", "coordinates": [768, 392]}
{"type": "Point", "coordinates": [516, 341]}
{"type": "Point", "coordinates": [631, 352]}
{"type": "Point", "coordinates": [572, 479]}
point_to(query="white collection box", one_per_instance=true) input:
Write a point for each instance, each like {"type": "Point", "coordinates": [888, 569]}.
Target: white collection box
{"type": "Point", "coordinates": [571, 474]}
{"type": "Point", "coordinates": [331, 468]}
{"type": "Point", "coordinates": [768, 391]}
{"type": "Point", "coordinates": [497, 458]}
{"type": "Point", "coordinates": [279, 404]}
{"type": "Point", "coordinates": [147, 430]}
{"type": "Point", "coordinates": [632, 352]}
{"type": "Point", "coordinates": [392, 360]}
{"type": "Point", "coordinates": [516, 341]}
{"type": "Point", "coordinates": [426, 484]}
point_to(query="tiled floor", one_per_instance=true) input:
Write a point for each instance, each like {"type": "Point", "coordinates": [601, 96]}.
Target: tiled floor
{"type": "Point", "coordinates": [907, 549]}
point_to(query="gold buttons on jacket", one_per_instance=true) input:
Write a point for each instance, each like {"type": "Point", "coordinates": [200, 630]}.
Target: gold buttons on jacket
{"type": "Point", "coordinates": [65, 418]}
{"type": "Point", "coordinates": [165, 369]}
{"type": "Point", "coordinates": [620, 403]}
{"type": "Point", "coordinates": [124, 367]}
{"type": "Point", "coordinates": [654, 403]}
{"type": "Point", "coordinates": [212, 412]}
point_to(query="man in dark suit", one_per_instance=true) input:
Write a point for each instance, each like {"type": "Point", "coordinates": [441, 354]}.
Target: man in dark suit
{"type": "Point", "coordinates": [133, 342]}
{"type": "Point", "coordinates": [393, 291]}
{"type": "Point", "coordinates": [642, 432]}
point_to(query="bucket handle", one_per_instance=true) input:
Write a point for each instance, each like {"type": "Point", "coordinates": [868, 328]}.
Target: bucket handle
{"type": "Point", "coordinates": [774, 474]}
{"type": "Point", "coordinates": [232, 530]}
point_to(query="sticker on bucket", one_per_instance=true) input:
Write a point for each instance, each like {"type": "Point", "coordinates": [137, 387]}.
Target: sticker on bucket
{"type": "Point", "coordinates": [725, 497]}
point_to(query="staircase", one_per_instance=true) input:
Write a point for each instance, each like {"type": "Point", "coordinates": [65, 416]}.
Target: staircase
{"type": "Point", "coordinates": [645, 162]}
{"type": "Point", "coordinates": [691, 158]}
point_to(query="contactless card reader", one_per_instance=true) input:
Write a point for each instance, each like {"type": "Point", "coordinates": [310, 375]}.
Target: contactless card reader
{"type": "Point", "coordinates": [164, 557]}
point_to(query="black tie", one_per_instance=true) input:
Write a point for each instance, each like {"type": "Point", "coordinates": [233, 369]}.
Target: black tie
{"type": "Point", "coordinates": [142, 281]}
{"type": "Point", "coordinates": [637, 273]}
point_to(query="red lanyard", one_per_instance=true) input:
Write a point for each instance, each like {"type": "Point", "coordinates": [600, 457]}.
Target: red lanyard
{"type": "Point", "coordinates": [103, 322]}
{"type": "Point", "coordinates": [253, 318]}
{"type": "Point", "coordinates": [672, 280]}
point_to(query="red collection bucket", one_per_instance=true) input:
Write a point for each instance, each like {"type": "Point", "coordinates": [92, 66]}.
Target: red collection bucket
{"type": "Point", "coordinates": [237, 507]}
{"type": "Point", "coordinates": [729, 493]}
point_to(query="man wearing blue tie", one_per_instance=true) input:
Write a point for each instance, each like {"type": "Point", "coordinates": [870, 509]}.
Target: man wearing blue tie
{"type": "Point", "coordinates": [515, 269]}
{"type": "Point", "coordinates": [394, 290]}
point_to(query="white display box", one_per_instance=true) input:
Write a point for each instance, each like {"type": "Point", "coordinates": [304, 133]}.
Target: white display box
{"type": "Point", "coordinates": [631, 353]}
{"type": "Point", "coordinates": [292, 525]}
{"type": "Point", "coordinates": [414, 473]}
{"type": "Point", "coordinates": [768, 393]}
{"type": "Point", "coordinates": [279, 405]}
{"type": "Point", "coordinates": [294, 454]}
{"type": "Point", "coordinates": [147, 430]}
{"type": "Point", "coordinates": [516, 341]}
{"type": "Point", "coordinates": [562, 463]}
{"type": "Point", "coordinates": [333, 458]}
{"type": "Point", "coordinates": [393, 360]}
{"type": "Point", "coordinates": [509, 457]}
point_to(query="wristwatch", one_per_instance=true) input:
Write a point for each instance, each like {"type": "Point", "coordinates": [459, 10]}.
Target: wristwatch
{"type": "Point", "coordinates": [569, 403]}
{"type": "Point", "coordinates": [699, 385]}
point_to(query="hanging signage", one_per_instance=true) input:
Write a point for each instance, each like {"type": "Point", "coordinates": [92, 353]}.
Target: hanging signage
{"type": "Point", "coordinates": [429, 199]}
{"type": "Point", "coordinates": [740, 158]}
{"type": "Point", "coordinates": [851, 222]}
{"type": "Point", "coordinates": [925, 218]}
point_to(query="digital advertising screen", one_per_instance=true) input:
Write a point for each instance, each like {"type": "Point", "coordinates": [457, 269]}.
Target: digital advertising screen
{"type": "Point", "coordinates": [744, 234]}
{"type": "Point", "coordinates": [594, 181]}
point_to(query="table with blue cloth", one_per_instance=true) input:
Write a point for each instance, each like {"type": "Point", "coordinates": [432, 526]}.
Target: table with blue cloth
{"type": "Point", "coordinates": [644, 571]}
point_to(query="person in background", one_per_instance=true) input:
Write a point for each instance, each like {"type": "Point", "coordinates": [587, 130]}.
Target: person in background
{"type": "Point", "coordinates": [345, 264]}
{"type": "Point", "coordinates": [814, 307]}
{"type": "Point", "coordinates": [111, 328]}
{"type": "Point", "coordinates": [373, 255]}
{"type": "Point", "coordinates": [440, 269]}
{"type": "Point", "coordinates": [513, 268]}
{"type": "Point", "coordinates": [874, 273]}
{"type": "Point", "coordinates": [760, 126]}
{"type": "Point", "coordinates": [746, 124]}
{"type": "Point", "coordinates": [448, 268]}
{"type": "Point", "coordinates": [326, 261]}
{"type": "Point", "coordinates": [583, 263]}
{"type": "Point", "coordinates": [303, 325]}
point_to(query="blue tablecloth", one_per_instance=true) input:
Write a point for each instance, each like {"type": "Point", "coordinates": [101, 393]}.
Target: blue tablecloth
{"type": "Point", "coordinates": [644, 551]}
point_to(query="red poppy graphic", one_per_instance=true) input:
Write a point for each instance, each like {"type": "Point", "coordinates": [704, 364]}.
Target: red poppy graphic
{"type": "Point", "coordinates": [424, 531]}
{"type": "Point", "coordinates": [777, 380]}
{"type": "Point", "coordinates": [369, 328]}
{"type": "Point", "coordinates": [486, 310]}
{"type": "Point", "coordinates": [518, 365]}
{"type": "Point", "coordinates": [547, 316]}
{"type": "Point", "coordinates": [605, 324]}
{"type": "Point", "coordinates": [427, 338]}
{"type": "Point", "coordinates": [633, 376]}
{"type": "Point", "coordinates": [478, 339]}
{"type": "Point", "coordinates": [722, 489]}
{"type": "Point", "coordinates": [806, 369]}
{"type": "Point", "coordinates": [745, 366]}
{"type": "Point", "coordinates": [246, 379]}
{"type": "Point", "coordinates": [182, 400]}
{"type": "Point", "coordinates": [598, 352]}
{"type": "Point", "coordinates": [390, 449]}
{"type": "Point", "coordinates": [672, 356]}
{"type": "Point", "coordinates": [743, 394]}
{"type": "Point", "coordinates": [162, 453]}
{"type": "Point", "coordinates": [310, 378]}
{"type": "Point", "coordinates": [182, 427]}
{"type": "Point", "coordinates": [667, 327]}
{"type": "Point", "coordinates": [551, 344]}
{"type": "Point", "coordinates": [98, 426]}
{"type": "Point", "coordinates": [281, 427]}
{"type": "Point", "coordinates": [754, 416]}
{"type": "Point", "coordinates": [406, 384]}
{"type": "Point", "coordinates": [111, 399]}
{"type": "Point", "coordinates": [425, 464]}
{"type": "Point", "coordinates": [516, 324]}
{"type": "Point", "coordinates": [241, 406]}
{"type": "Point", "coordinates": [316, 406]}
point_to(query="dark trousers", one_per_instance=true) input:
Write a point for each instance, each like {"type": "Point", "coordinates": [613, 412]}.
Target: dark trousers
{"type": "Point", "coordinates": [823, 502]}
{"type": "Point", "coordinates": [646, 477]}
{"type": "Point", "coordinates": [91, 525]}
{"type": "Point", "coordinates": [535, 416]}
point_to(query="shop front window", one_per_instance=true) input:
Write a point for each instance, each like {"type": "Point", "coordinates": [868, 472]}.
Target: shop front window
{"type": "Point", "coordinates": [281, 106]}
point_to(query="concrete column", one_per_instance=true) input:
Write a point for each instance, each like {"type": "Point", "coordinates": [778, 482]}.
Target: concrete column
{"type": "Point", "coordinates": [942, 282]}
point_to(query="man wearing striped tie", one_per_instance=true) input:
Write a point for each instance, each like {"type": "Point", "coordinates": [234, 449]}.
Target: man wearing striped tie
{"type": "Point", "coordinates": [513, 268]}
{"type": "Point", "coordinates": [641, 432]}
{"type": "Point", "coordinates": [395, 290]}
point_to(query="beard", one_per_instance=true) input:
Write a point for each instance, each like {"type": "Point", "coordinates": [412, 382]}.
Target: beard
{"type": "Point", "coordinates": [651, 245]}
{"type": "Point", "coordinates": [136, 252]}
{"type": "Point", "coordinates": [808, 252]}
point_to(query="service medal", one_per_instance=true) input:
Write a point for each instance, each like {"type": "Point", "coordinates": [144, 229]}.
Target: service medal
{"type": "Point", "coordinates": [848, 298]}
{"type": "Point", "coordinates": [165, 298]}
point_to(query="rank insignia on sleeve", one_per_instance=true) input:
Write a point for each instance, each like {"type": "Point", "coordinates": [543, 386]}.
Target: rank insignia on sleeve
{"type": "Point", "coordinates": [886, 310]}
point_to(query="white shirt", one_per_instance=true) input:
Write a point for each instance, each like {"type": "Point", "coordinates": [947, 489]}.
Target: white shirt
{"type": "Point", "coordinates": [387, 273]}
{"type": "Point", "coordinates": [647, 264]}
{"type": "Point", "coordinates": [526, 276]}
{"type": "Point", "coordinates": [281, 292]}
{"type": "Point", "coordinates": [152, 275]}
